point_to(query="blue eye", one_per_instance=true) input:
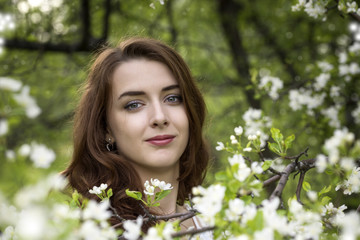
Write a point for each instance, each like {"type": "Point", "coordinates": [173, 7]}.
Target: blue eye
{"type": "Point", "coordinates": [132, 106]}
{"type": "Point", "coordinates": [174, 99]}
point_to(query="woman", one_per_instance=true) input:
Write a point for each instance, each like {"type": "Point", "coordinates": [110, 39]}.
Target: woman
{"type": "Point", "coordinates": [140, 117]}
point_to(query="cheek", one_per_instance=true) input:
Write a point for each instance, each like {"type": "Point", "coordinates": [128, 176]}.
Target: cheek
{"type": "Point", "coordinates": [126, 127]}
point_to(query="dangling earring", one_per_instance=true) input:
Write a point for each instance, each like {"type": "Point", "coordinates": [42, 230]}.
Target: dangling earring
{"type": "Point", "coordinates": [109, 145]}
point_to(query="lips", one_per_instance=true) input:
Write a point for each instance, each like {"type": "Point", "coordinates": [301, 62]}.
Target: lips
{"type": "Point", "coordinates": [161, 140]}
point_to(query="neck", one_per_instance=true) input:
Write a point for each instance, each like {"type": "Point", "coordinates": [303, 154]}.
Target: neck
{"type": "Point", "coordinates": [167, 204]}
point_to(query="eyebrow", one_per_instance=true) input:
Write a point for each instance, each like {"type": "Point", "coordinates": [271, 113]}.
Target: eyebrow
{"type": "Point", "coordinates": [139, 93]}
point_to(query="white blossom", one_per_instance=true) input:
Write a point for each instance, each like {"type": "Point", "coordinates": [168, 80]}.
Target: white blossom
{"type": "Point", "coordinates": [356, 114]}
{"type": "Point", "coordinates": [236, 159]}
{"type": "Point", "coordinates": [252, 137]}
{"type": "Point", "coordinates": [265, 233]}
{"type": "Point", "coordinates": [149, 189]}
{"type": "Point", "coordinates": [165, 186]}
{"type": "Point", "coordinates": [255, 121]}
{"type": "Point", "coordinates": [303, 97]}
{"type": "Point", "coordinates": [343, 57]}
{"type": "Point", "coordinates": [312, 195]}
{"type": "Point", "coordinates": [168, 231]}
{"type": "Point", "coordinates": [238, 131]}
{"type": "Point", "coordinates": [335, 91]}
{"type": "Point", "coordinates": [9, 233]}
{"type": "Point", "coordinates": [248, 149]}
{"type": "Point", "coordinates": [210, 201]}
{"type": "Point", "coordinates": [8, 214]}
{"type": "Point", "coordinates": [90, 230]}
{"type": "Point", "coordinates": [325, 66]}
{"type": "Point", "coordinates": [305, 224]}
{"type": "Point", "coordinates": [332, 144]}
{"type": "Point", "coordinates": [4, 127]}
{"type": "Point", "coordinates": [243, 172]}
{"type": "Point", "coordinates": [235, 210]}
{"type": "Point", "coordinates": [256, 167]}
{"type": "Point", "coordinates": [152, 234]}
{"type": "Point", "coordinates": [10, 84]}
{"type": "Point", "coordinates": [32, 223]}
{"type": "Point", "coordinates": [321, 81]}
{"type": "Point", "coordinates": [155, 182]}
{"type": "Point", "coordinates": [133, 228]}
{"type": "Point", "coordinates": [63, 211]}
{"type": "Point", "coordinates": [97, 211]}
{"type": "Point", "coordinates": [220, 146]}
{"type": "Point", "coordinates": [351, 7]}
{"type": "Point", "coordinates": [24, 150]}
{"type": "Point", "coordinates": [352, 184]}
{"type": "Point", "coordinates": [249, 213]}
{"type": "Point", "coordinates": [314, 9]}
{"type": "Point", "coordinates": [347, 163]}
{"type": "Point", "coordinates": [355, 48]}
{"type": "Point", "coordinates": [350, 69]}
{"type": "Point", "coordinates": [272, 85]}
{"type": "Point", "coordinates": [233, 140]}
{"type": "Point", "coordinates": [98, 190]}
{"type": "Point", "coordinates": [332, 114]}
{"type": "Point", "coordinates": [10, 155]}
{"type": "Point", "coordinates": [41, 156]}
{"type": "Point", "coordinates": [350, 226]}
{"type": "Point", "coordinates": [24, 99]}
{"type": "Point", "coordinates": [332, 213]}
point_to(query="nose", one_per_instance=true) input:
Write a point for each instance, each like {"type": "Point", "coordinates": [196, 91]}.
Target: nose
{"type": "Point", "coordinates": [158, 116]}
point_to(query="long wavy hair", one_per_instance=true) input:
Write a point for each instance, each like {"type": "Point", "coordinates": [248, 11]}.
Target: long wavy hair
{"type": "Point", "coordinates": [92, 164]}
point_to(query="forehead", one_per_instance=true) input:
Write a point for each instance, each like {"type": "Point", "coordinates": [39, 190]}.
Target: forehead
{"type": "Point", "coordinates": [141, 73]}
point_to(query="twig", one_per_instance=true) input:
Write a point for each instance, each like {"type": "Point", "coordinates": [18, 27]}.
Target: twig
{"type": "Point", "coordinates": [116, 213]}
{"type": "Point", "coordinates": [271, 180]}
{"type": "Point", "coordinates": [299, 155]}
{"type": "Point", "coordinates": [262, 156]}
{"type": "Point", "coordinates": [274, 171]}
{"type": "Point", "coordinates": [299, 186]}
{"type": "Point", "coordinates": [358, 209]}
{"type": "Point", "coordinates": [192, 232]}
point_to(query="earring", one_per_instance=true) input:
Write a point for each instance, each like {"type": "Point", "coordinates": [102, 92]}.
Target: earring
{"type": "Point", "coordinates": [109, 145]}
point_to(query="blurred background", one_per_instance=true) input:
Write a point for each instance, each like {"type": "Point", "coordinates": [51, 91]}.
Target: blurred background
{"type": "Point", "coordinates": [231, 46]}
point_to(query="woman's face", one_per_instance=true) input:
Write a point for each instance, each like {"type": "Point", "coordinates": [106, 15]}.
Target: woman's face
{"type": "Point", "coordinates": [146, 117]}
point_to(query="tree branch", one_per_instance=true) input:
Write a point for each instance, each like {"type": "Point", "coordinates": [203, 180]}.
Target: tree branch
{"type": "Point", "coordinates": [301, 166]}
{"type": "Point", "coordinates": [86, 22]}
{"type": "Point", "coordinates": [170, 16]}
{"type": "Point", "coordinates": [106, 19]}
{"type": "Point", "coordinates": [228, 11]}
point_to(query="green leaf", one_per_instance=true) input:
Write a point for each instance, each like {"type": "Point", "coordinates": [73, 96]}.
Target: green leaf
{"type": "Point", "coordinates": [325, 190]}
{"type": "Point", "coordinates": [325, 200]}
{"type": "Point", "coordinates": [276, 135]}
{"type": "Point", "coordinates": [274, 147]}
{"type": "Point", "coordinates": [221, 176]}
{"type": "Point", "coordinates": [234, 185]}
{"type": "Point", "coordinates": [134, 194]}
{"type": "Point", "coordinates": [266, 165]}
{"type": "Point", "coordinates": [109, 193]}
{"type": "Point", "coordinates": [288, 141]}
{"type": "Point", "coordinates": [306, 186]}
{"type": "Point", "coordinates": [160, 195]}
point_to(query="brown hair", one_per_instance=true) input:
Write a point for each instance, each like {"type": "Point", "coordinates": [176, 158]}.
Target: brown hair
{"type": "Point", "coordinates": [92, 164]}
